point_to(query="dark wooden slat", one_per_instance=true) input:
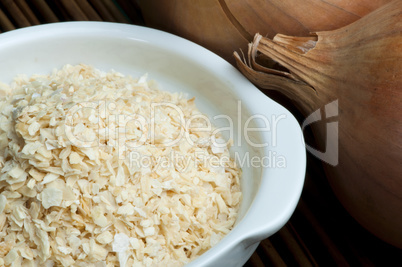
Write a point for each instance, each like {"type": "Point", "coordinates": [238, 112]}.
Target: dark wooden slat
{"type": "Point", "coordinates": [294, 247]}
{"type": "Point", "coordinates": [27, 12]}
{"type": "Point", "coordinates": [118, 16]}
{"type": "Point", "coordinates": [132, 10]}
{"type": "Point", "coordinates": [301, 244]}
{"type": "Point", "coordinates": [5, 23]}
{"type": "Point", "coordinates": [59, 10]}
{"type": "Point", "coordinates": [89, 11]}
{"type": "Point", "coordinates": [255, 261]}
{"type": "Point", "coordinates": [73, 10]}
{"type": "Point", "coordinates": [44, 10]}
{"type": "Point", "coordinates": [102, 10]}
{"type": "Point", "coordinates": [271, 253]}
{"type": "Point", "coordinates": [335, 253]}
{"type": "Point", "coordinates": [15, 13]}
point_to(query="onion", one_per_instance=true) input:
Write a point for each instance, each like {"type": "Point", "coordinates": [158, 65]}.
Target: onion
{"type": "Point", "coordinates": [360, 66]}
{"type": "Point", "coordinates": [226, 25]}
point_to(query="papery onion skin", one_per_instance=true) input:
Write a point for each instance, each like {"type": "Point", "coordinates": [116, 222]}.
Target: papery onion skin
{"type": "Point", "coordinates": [359, 65]}
{"type": "Point", "coordinates": [223, 26]}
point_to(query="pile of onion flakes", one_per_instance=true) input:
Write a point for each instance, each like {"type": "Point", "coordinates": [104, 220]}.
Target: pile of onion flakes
{"type": "Point", "coordinates": [80, 184]}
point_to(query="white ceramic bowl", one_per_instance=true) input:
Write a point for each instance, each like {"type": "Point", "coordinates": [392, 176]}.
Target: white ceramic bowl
{"type": "Point", "coordinates": [270, 193]}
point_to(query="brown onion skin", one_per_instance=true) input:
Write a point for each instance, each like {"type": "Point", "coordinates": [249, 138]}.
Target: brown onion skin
{"type": "Point", "coordinates": [224, 26]}
{"type": "Point", "coordinates": [360, 65]}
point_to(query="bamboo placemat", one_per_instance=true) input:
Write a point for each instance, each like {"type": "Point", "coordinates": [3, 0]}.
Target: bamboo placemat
{"type": "Point", "coordinates": [320, 232]}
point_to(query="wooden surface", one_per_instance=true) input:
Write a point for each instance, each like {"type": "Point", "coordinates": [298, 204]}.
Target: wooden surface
{"type": "Point", "coordinates": [320, 232]}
